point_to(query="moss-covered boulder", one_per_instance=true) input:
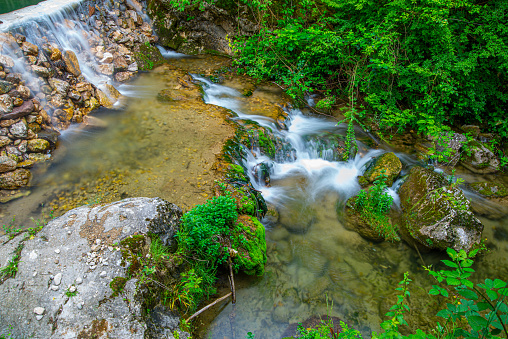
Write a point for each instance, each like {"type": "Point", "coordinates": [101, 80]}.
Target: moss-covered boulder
{"type": "Point", "coordinates": [490, 189]}
{"type": "Point", "coordinates": [436, 214]}
{"type": "Point", "coordinates": [478, 158]}
{"type": "Point", "coordinates": [250, 243]}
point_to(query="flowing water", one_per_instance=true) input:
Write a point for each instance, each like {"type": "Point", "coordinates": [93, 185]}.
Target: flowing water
{"type": "Point", "coordinates": [316, 266]}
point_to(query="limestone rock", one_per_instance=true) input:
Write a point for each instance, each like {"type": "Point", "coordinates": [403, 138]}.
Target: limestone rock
{"type": "Point", "coordinates": [113, 92]}
{"type": "Point", "coordinates": [123, 76]}
{"type": "Point", "coordinates": [6, 61]}
{"type": "Point", "coordinates": [24, 92]}
{"type": "Point", "coordinates": [60, 86]}
{"type": "Point", "coordinates": [106, 69]}
{"type": "Point", "coordinates": [451, 144]}
{"type": "Point", "coordinates": [7, 164]}
{"type": "Point", "coordinates": [120, 64]}
{"type": "Point", "coordinates": [103, 99]}
{"type": "Point", "coordinates": [17, 112]}
{"type": "Point", "coordinates": [71, 63]}
{"type": "Point", "coordinates": [41, 71]}
{"type": "Point", "coordinates": [15, 179]}
{"type": "Point", "coordinates": [435, 214]}
{"type": "Point", "coordinates": [490, 189]}
{"type": "Point", "coordinates": [355, 222]}
{"type": "Point", "coordinates": [95, 310]}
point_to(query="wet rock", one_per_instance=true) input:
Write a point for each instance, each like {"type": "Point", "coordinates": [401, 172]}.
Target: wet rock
{"type": "Point", "coordinates": [55, 54]}
{"type": "Point", "coordinates": [389, 163]}
{"type": "Point", "coordinates": [107, 59]}
{"type": "Point", "coordinates": [6, 61]}
{"type": "Point", "coordinates": [41, 71]}
{"type": "Point", "coordinates": [71, 63]}
{"type": "Point", "coordinates": [5, 87]}
{"type": "Point", "coordinates": [24, 92]}
{"type": "Point", "coordinates": [17, 112]}
{"type": "Point", "coordinates": [103, 99]}
{"type": "Point", "coordinates": [94, 104]}
{"type": "Point", "coordinates": [163, 323]}
{"type": "Point", "coordinates": [60, 86]}
{"type": "Point", "coordinates": [29, 48]}
{"type": "Point", "coordinates": [7, 164]}
{"type": "Point", "coordinates": [37, 145]}
{"type": "Point", "coordinates": [356, 222]}
{"type": "Point", "coordinates": [4, 140]}
{"type": "Point", "coordinates": [490, 189]}
{"type": "Point", "coordinates": [6, 104]}
{"type": "Point", "coordinates": [297, 220]}
{"type": "Point", "coordinates": [106, 69]}
{"type": "Point", "coordinates": [120, 64]}
{"type": "Point", "coordinates": [19, 130]}
{"type": "Point", "coordinates": [449, 145]}
{"type": "Point", "coordinates": [15, 78]}
{"type": "Point", "coordinates": [113, 92]}
{"type": "Point", "coordinates": [15, 179]}
{"type": "Point", "coordinates": [133, 67]}
{"type": "Point", "coordinates": [435, 214]}
{"type": "Point", "coordinates": [473, 130]}
{"type": "Point", "coordinates": [479, 159]}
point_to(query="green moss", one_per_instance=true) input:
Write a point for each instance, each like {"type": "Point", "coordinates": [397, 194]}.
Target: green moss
{"type": "Point", "coordinates": [117, 285]}
{"type": "Point", "coordinates": [388, 162]}
{"type": "Point", "coordinates": [490, 189]}
{"type": "Point", "coordinates": [148, 57]}
{"type": "Point", "coordinates": [251, 245]}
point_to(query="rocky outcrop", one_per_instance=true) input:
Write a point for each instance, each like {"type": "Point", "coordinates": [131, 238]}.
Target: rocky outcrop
{"type": "Point", "coordinates": [73, 280]}
{"type": "Point", "coordinates": [196, 30]}
{"type": "Point", "coordinates": [436, 214]}
{"type": "Point", "coordinates": [479, 159]}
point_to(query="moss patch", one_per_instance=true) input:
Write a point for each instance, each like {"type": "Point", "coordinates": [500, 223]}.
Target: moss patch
{"type": "Point", "coordinates": [251, 245]}
{"type": "Point", "coordinates": [490, 189]}
{"type": "Point", "coordinates": [117, 285]}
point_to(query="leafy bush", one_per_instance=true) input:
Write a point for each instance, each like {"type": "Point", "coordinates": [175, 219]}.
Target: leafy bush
{"type": "Point", "coordinates": [374, 204]}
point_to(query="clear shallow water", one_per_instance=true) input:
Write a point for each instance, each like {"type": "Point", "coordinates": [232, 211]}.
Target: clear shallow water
{"type": "Point", "coordinates": [316, 266]}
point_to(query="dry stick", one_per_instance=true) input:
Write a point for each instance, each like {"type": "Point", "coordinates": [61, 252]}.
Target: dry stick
{"type": "Point", "coordinates": [208, 306]}
{"type": "Point", "coordinates": [232, 280]}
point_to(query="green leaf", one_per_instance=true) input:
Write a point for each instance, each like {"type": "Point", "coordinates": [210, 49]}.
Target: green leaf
{"type": "Point", "coordinates": [443, 314]}
{"type": "Point", "coordinates": [503, 291]}
{"type": "Point", "coordinates": [468, 294]}
{"type": "Point", "coordinates": [434, 292]}
{"type": "Point", "coordinates": [482, 306]}
{"type": "Point", "coordinates": [450, 263]}
{"type": "Point", "coordinates": [453, 281]}
{"type": "Point", "coordinates": [491, 294]}
{"type": "Point", "coordinates": [498, 283]}
{"type": "Point", "coordinates": [476, 322]}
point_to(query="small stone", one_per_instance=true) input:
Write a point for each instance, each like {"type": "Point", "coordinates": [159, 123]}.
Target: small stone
{"type": "Point", "coordinates": [103, 274]}
{"type": "Point", "coordinates": [80, 306]}
{"type": "Point", "coordinates": [57, 261]}
{"type": "Point", "coordinates": [69, 232]}
{"type": "Point", "coordinates": [39, 310]}
{"type": "Point", "coordinates": [72, 289]}
{"type": "Point", "coordinates": [105, 263]}
{"type": "Point", "coordinates": [39, 317]}
{"type": "Point", "coordinates": [57, 279]}
{"type": "Point", "coordinates": [55, 288]}
{"type": "Point", "coordinates": [34, 274]}
{"type": "Point", "coordinates": [79, 281]}
{"type": "Point", "coordinates": [57, 251]}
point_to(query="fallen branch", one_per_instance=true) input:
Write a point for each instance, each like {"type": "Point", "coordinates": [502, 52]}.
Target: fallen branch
{"type": "Point", "coordinates": [208, 306]}
{"type": "Point", "coordinates": [232, 280]}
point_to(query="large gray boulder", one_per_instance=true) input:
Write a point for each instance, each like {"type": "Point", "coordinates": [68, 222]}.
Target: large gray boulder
{"type": "Point", "coordinates": [436, 214]}
{"type": "Point", "coordinates": [62, 287]}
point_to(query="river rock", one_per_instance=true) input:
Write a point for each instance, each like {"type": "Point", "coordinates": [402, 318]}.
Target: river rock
{"type": "Point", "coordinates": [120, 64]}
{"type": "Point", "coordinates": [4, 140]}
{"type": "Point", "coordinates": [107, 59]}
{"type": "Point", "coordinates": [15, 78]}
{"type": "Point", "coordinates": [41, 71]}
{"type": "Point", "coordinates": [15, 179]}
{"type": "Point", "coordinates": [37, 145]}
{"type": "Point", "coordinates": [24, 92]}
{"type": "Point", "coordinates": [7, 164]}
{"type": "Point", "coordinates": [29, 48]}
{"type": "Point", "coordinates": [435, 214]}
{"type": "Point", "coordinates": [71, 63]}
{"type": "Point", "coordinates": [6, 104]}
{"type": "Point", "coordinates": [95, 311]}
{"type": "Point", "coordinates": [388, 162]}
{"type": "Point", "coordinates": [6, 61]}
{"type": "Point", "coordinates": [5, 87]}
{"type": "Point", "coordinates": [106, 69]}
{"type": "Point", "coordinates": [490, 189]}
{"type": "Point", "coordinates": [19, 130]}
{"type": "Point", "coordinates": [60, 86]}
{"type": "Point", "coordinates": [123, 76]}
{"type": "Point", "coordinates": [449, 145]}
{"type": "Point", "coordinates": [356, 222]}
{"type": "Point", "coordinates": [479, 159]}
{"type": "Point", "coordinates": [55, 54]}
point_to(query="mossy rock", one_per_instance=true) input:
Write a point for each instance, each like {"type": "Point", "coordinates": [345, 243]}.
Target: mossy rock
{"type": "Point", "coordinates": [490, 189]}
{"type": "Point", "coordinates": [478, 158]}
{"type": "Point", "coordinates": [388, 162]}
{"type": "Point", "coordinates": [248, 200]}
{"type": "Point", "coordinates": [436, 214]}
{"type": "Point", "coordinates": [148, 57]}
{"type": "Point", "coordinates": [331, 146]}
{"type": "Point", "coordinates": [250, 242]}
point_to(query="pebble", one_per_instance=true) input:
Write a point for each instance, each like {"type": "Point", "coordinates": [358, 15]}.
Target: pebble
{"type": "Point", "coordinates": [72, 289]}
{"type": "Point", "coordinates": [56, 261]}
{"type": "Point", "coordinates": [79, 281]}
{"type": "Point", "coordinates": [69, 232]}
{"type": "Point", "coordinates": [57, 251]}
{"type": "Point", "coordinates": [58, 279]}
{"type": "Point", "coordinates": [35, 274]}
{"type": "Point", "coordinates": [39, 317]}
{"type": "Point", "coordinates": [55, 288]}
{"type": "Point", "coordinates": [39, 310]}
{"type": "Point", "coordinates": [103, 274]}
{"type": "Point", "coordinates": [80, 306]}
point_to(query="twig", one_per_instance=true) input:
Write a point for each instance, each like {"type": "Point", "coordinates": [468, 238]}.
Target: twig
{"type": "Point", "coordinates": [208, 306]}
{"type": "Point", "coordinates": [232, 280]}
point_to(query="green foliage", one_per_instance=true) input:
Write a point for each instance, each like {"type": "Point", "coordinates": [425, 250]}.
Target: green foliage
{"type": "Point", "coordinates": [70, 294]}
{"type": "Point", "coordinates": [11, 230]}
{"type": "Point", "coordinates": [374, 204]}
{"type": "Point", "coordinates": [418, 64]}
{"type": "Point", "coordinates": [483, 305]}
{"type": "Point", "coordinates": [10, 269]}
